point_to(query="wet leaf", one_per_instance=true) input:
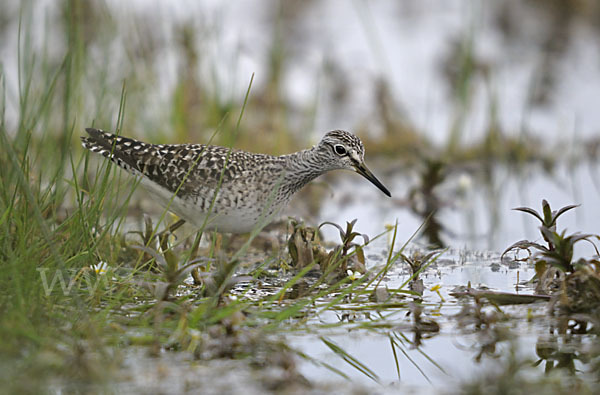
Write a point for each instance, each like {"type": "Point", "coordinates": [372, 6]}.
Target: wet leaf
{"type": "Point", "coordinates": [160, 260]}
{"type": "Point", "coordinates": [184, 272]}
{"type": "Point", "coordinates": [547, 213]}
{"type": "Point", "coordinates": [530, 211]}
{"type": "Point", "coordinates": [540, 267]}
{"type": "Point", "coordinates": [575, 237]}
{"type": "Point", "coordinates": [501, 298]}
{"type": "Point", "coordinates": [562, 211]}
{"type": "Point", "coordinates": [430, 255]}
{"type": "Point", "coordinates": [342, 233]}
{"type": "Point", "coordinates": [417, 286]}
{"type": "Point", "coordinates": [161, 290]}
{"type": "Point", "coordinates": [523, 245]}
{"type": "Point", "coordinates": [352, 361]}
{"type": "Point", "coordinates": [360, 255]}
{"type": "Point", "coordinates": [381, 295]}
{"type": "Point", "coordinates": [172, 260]}
{"type": "Point", "coordinates": [557, 261]}
{"type": "Point", "coordinates": [365, 238]}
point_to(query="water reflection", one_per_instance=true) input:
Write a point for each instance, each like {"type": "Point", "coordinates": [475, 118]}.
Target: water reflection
{"type": "Point", "coordinates": [478, 216]}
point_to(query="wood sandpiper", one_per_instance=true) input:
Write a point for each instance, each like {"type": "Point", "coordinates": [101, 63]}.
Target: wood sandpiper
{"type": "Point", "coordinates": [235, 189]}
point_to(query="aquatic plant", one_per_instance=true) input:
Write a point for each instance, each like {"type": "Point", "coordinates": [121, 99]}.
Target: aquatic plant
{"type": "Point", "coordinates": [578, 282]}
{"type": "Point", "coordinates": [558, 252]}
{"type": "Point", "coordinates": [305, 248]}
{"type": "Point", "coordinates": [349, 255]}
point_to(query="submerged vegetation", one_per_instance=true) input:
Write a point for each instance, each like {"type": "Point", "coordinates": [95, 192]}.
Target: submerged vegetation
{"type": "Point", "coordinates": [577, 282]}
{"type": "Point", "coordinates": [90, 287]}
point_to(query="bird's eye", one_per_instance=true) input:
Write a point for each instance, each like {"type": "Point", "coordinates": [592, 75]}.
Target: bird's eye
{"type": "Point", "coordinates": [339, 149]}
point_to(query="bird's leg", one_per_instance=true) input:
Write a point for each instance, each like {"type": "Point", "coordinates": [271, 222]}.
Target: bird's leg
{"type": "Point", "coordinates": [163, 237]}
{"type": "Point", "coordinates": [216, 240]}
{"type": "Point", "coordinates": [194, 252]}
{"type": "Point", "coordinates": [176, 225]}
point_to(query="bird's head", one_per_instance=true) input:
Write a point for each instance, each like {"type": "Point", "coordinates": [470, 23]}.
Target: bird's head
{"type": "Point", "coordinates": [343, 150]}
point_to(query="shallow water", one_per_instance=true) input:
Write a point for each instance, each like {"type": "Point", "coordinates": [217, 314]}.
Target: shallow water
{"type": "Point", "coordinates": [484, 229]}
{"type": "Point", "coordinates": [454, 351]}
{"type": "Point", "coordinates": [476, 216]}
{"type": "Point", "coordinates": [442, 361]}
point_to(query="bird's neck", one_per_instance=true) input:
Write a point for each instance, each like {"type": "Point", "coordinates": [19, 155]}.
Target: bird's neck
{"type": "Point", "coordinates": [302, 167]}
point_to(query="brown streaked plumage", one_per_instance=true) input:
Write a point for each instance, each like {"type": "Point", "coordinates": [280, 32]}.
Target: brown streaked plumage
{"type": "Point", "coordinates": [245, 186]}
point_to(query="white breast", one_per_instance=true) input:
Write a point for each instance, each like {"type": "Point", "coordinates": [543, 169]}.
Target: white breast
{"type": "Point", "coordinates": [234, 220]}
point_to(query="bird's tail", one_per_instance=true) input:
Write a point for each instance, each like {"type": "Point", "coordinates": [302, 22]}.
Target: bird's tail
{"type": "Point", "coordinates": [120, 150]}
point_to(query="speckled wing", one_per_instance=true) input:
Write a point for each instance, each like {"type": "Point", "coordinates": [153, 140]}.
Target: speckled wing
{"type": "Point", "coordinates": [176, 167]}
{"type": "Point", "coordinates": [192, 170]}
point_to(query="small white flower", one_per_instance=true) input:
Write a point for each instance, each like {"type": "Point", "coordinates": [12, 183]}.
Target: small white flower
{"type": "Point", "coordinates": [352, 275]}
{"type": "Point", "coordinates": [100, 268]}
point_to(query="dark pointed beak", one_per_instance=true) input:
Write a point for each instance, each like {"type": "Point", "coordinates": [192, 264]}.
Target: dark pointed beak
{"type": "Point", "coordinates": [366, 173]}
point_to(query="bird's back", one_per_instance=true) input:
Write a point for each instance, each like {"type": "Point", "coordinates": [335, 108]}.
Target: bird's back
{"type": "Point", "coordinates": [237, 184]}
